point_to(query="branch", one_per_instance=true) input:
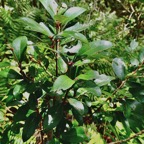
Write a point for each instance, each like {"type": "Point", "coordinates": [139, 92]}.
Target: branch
{"type": "Point", "coordinates": [123, 82]}
{"type": "Point", "coordinates": [123, 5]}
{"type": "Point", "coordinates": [128, 139]}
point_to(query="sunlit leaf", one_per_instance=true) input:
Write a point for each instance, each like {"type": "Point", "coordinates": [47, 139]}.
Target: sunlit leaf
{"type": "Point", "coordinates": [103, 80]}
{"type": "Point", "coordinates": [75, 35]}
{"type": "Point", "coordinates": [19, 47]}
{"type": "Point", "coordinates": [77, 105]}
{"type": "Point", "coordinates": [73, 12]}
{"type": "Point", "coordinates": [92, 49]}
{"type": "Point", "coordinates": [51, 6]}
{"type": "Point", "coordinates": [62, 82]}
{"type": "Point", "coordinates": [119, 68]}
{"type": "Point", "coordinates": [89, 75]}
{"type": "Point", "coordinates": [62, 65]}
{"type": "Point", "coordinates": [37, 27]}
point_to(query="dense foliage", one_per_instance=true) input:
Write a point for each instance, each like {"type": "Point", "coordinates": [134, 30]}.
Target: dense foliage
{"type": "Point", "coordinates": [71, 72]}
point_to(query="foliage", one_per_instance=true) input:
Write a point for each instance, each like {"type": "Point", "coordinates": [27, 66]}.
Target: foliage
{"type": "Point", "coordinates": [66, 78]}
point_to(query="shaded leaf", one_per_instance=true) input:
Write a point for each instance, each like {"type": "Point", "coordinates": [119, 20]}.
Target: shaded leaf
{"type": "Point", "coordinates": [74, 135]}
{"type": "Point", "coordinates": [53, 117]}
{"type": "Point", "coordinates": [12, 74]}
{"type": "Point", "coordinates": [141, 55]}
{"type": "Point", "coordinates": [30, 126]}
{"type": "Point", "coordinates": [138, 93]}
{"type": "Point", "coordinates": [20, 115]}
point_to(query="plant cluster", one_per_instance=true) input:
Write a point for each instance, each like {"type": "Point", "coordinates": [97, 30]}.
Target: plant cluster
{"type": "Point", "coordinates": [61, 83]}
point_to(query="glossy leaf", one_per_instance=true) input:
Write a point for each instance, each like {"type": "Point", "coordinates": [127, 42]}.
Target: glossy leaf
{"type": "Point", "coordinates": [73, 12]}
{"type": "Point", "coordinates": [119, 68]}
{"type": "Point", "coordinates": [78, 27]}
{"type": "Point", "coordinates": [51, 6]}
{"type": "Point", "coordinates": [12, 74]}
{"type": "Point", "coordinates": [89, 75]}
{"type": "Point", "coordinates": [75, 35]}
{"type": "Point", "coordinates": [37, 27]}
{"type": "Point", "coordinates": [102, 80]}
{"type": "Point", "coordinates": [141, 56]}
{"type": "Point", "coordinates": [52, 118]}
{"type": "Point", "coordinates": [73, 49]}
{"type": "Point", "coordinates": [133, 45]}
{"type": "Point", "coordinates": [74, 135]}
{"type": "Point", "coordinates": [77, 105]}
{"type": "Point", "coordinates": [31, 124]}
{"type": "Point", "coordinates": [92, 49]}
{"type": "Point", "coordinates": [63, 82]}
{"type": "Point", "coordinates": [19, 47]}
{"type": "Point", "coordinates": [62, 65]}
{"type": "Point", "coordinates": [17, 90]}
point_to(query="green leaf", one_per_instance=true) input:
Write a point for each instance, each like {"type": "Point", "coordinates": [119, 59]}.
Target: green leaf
{"type": "Point", "coordinates": [77, 105]}
{"type": "Point", "coordinates": [12, 74]}
{"type": "Point", "coordinates": [53, 117]}
{"type": "Point", "coordinates": [141, 55]}
{"type": "Point", "coordinates": [73, 12]}
{"type": "Point", "coordinates": [30, 126]}
{"type": "Point", "coordinates": [102, 80]}
{"type": "Point", "coordinates": [92, 49]}
{"type": "Point", "coordinates": [17, 89]}
{"type": "Point", "coordinates": [20, 115]}
{"type": "Point", "coordinates": [89, 75]}
{"type": "Point", "coordinates": [63, 82]}
{"type": "Point", "coordinates": [78, 27]}
{"type": "Point", "coordinates": [51, 6]}
{"type": "Point", "coordinates": [73, 34]}
{"type": "Point", "coordinates": [37, 27]}
{"type": "Point", "coordinates": [19, 47]}
{"type": "Point", "coordinates": [46, 30]}
{"type": "Point", "coordinates": [61, 18]}
{"type": "Point", "coordinates": [91, 87]}
{"type": "Point", "coordinates": [133, 45]}
{"type": "Point", "coordinates": [74, 135]}
{"type": "Point", "coordinates": [73, 49]}
{"type": "Point", "coordinates": [127, 109]}
{"type": "Point", "coordinates": [78, 117]}
{"type": "Point", "coordinates": [119, 68]}
{"type": "Point", "coordinates": [62, 65]}
{"type": "Point", "coordinates": [138, 93]}
{"type": "Point", "coordinates": [4, 64]}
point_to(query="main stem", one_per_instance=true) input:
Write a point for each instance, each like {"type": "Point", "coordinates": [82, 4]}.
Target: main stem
{"type": "Point", "coordinates": [57, 46]}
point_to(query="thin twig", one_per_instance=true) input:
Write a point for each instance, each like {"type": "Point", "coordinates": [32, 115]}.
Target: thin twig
{"type": "Point", "coordinates": [128, 139]}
